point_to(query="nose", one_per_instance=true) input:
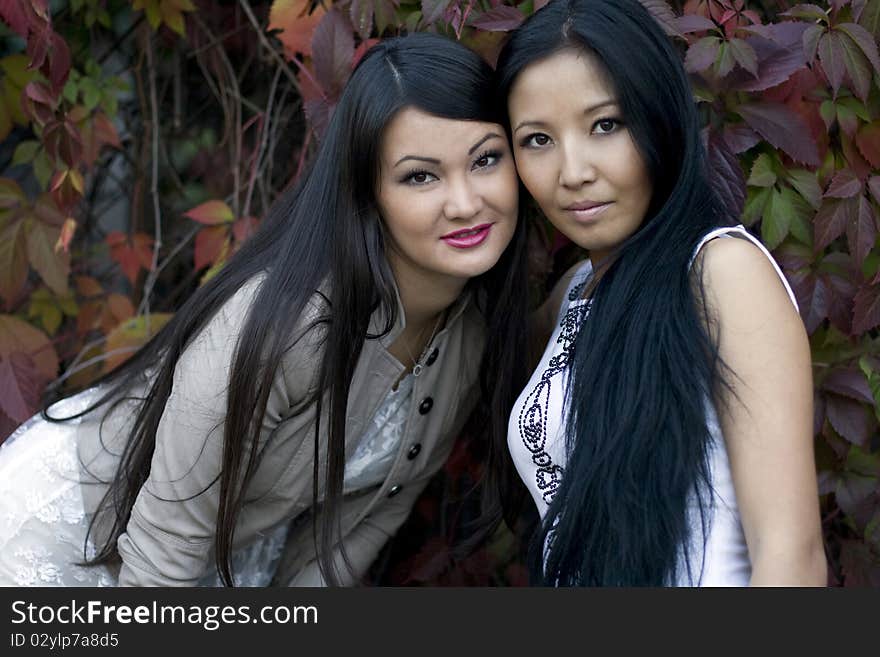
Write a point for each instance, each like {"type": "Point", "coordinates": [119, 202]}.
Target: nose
{"type": "Point", "coordinates": [464, 200]}
{"type": "Point", "coordinates": [576, 168]}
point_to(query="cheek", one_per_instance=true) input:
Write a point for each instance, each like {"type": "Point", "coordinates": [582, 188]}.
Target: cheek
{"type": "Point", "coordinates": [535, 178]}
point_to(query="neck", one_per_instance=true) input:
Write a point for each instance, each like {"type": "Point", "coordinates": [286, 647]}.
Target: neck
{"type": "Point", "coordinates": [424, 297]}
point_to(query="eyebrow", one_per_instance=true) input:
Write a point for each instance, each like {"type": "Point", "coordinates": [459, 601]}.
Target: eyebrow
{"type": "Point", "coordinates": [589, 110]}
{"type": "Point", "coordinates": [431, 160]}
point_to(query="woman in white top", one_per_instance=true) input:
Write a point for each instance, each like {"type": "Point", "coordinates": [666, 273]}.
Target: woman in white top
{"type": "Point", "coordinates": [666, 435]}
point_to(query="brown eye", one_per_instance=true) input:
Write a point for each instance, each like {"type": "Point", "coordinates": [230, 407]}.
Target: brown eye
{"type": "Point", "coordinates": [535, 140]}
{"type": "Point", "coordinates": [604, 126]}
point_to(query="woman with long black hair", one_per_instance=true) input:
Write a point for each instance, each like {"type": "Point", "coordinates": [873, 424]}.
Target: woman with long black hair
{"type": "Point", "coordinates": [666, 434]}
{"type": "Point", "coordinates": [280, 427]}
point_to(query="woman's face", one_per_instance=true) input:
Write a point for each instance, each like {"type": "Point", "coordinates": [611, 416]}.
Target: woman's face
{"type": "Point", "coordinates": [575, 154]}
{"type": "Point", "coordinates": [447, 194]}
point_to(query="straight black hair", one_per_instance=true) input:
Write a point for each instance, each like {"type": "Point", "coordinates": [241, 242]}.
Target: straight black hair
{"type": "Point", "coordinates": [644, 364]}
{"type": "Point", "coordinates": [326, 227]}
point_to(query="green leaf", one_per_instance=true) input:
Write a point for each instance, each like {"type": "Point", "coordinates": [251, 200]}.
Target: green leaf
{"type": "Point", "coordinates": [763, 174]}
{"type": "Point", "coordinates": [53, 268]}
{"type": "Point", "coordinates": [870, 18]}
{"type": "Point", "coordinates": [43, 168]}
{"type": "Point", "coordinates": [801, 225]}
{"type": "Point", "coordinates": [776, 220]}
{"type": "Point", "coordinates": [25, 152]}
{"type": "Point", "coordinates": [744, 55]}
{"type": "Point", "coordinates": [756, 201]}
{"type": "Point", "coordinates": [726, 60]}
{"type": "Point", "coordinates": [807, 186]}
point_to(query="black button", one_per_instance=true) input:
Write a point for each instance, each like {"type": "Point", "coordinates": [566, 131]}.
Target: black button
{"type": "Point", "coordinates": [426, 405]}
{"type": "Point", "coordinates": [433, 357]}
{"type": "Point", "coordinates": [414, 451]}
{"type": "Point", "coordinates": [394, 490]}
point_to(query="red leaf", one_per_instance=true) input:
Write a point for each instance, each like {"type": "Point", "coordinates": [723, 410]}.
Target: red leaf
{"type": "Point", "coordinates": [333, 52]}
{"type": "Point", "coordinates": [702, 54]}
{"type": "Point", "coordinates": [849, 418]}
{"type": "Point", "coordinates": [361, 50]}
{"type": "Point", "coordinates": [18, 15]}
{"type": "Point", "coordinates": [16, 335]}
{"type": "Point", "coordinates": [854, 158]}
{"type": "Point", "coordinates": [833, 59]}
{"type": "Point", "coordinates": [502, 18]}
{"type": "Point", "coordinates": [831, 221]}
{"type": "Point", "coordinates": [868, 142]}
{"type": "Point", "coordinates": [211, 213]}
{"type": "Point", "coordinates": [861, 233]}
{"type": "Point", "coordinates": [58, 67]}
{"type": "Point", "coordinates": [860, 566]}
{"type": "Point", "coordinates": [130, 257]}
{"type": "Point", "coordinates": [782, 128]}
{"type": "Point", "coordinates": [845, 184]}
{"type": "Point", "coordinates": [298, 26]}
{"type": "Point", "coordinates": [210, 243]}
{"type": "Point", "coordinates": [244, 228]}
{"type": "Point", "coordinates": [20, 386]}
{"type": "Point", "coordinates": [866, 309]}
{"type": "Point", "coordinates": [849, 382]}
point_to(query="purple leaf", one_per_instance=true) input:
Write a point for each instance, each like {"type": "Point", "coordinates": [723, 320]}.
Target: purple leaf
{"type": "Point", "coordinates": [845, 184]}
{"type": "Point", "coordinates": [782, 128]}
{"type": "Point", "coordinates": [811, 41]}
{"type": "Point", "coordinates": [333, 52]}
{"type": "Point", "coordinates": [849, 418]}
{"type": "Point", "coordinates": [831, 220]}
{"type": "Point", "coordinates": [744, 55]}
{"type": "Point", "coordinates": [861, 234]}
{"type": "Point", "coordinates": [864, 41]}
{"type": "Point", "coordinates": [857, 67]}
{"type": "Point", "coordinates": [859, 565]}
{"type": "Point", "coordinates": [727, 175]}
{"type": "Point", "coordinates": [432, 10]}
{"type": "Point", "coordinates": [870, 18]}
{"type": "Point", "coordinates": [833, 59]}
{"type": "Point", "coordinates": [663, 14]}
{"type": "Point", "coordinates": [693, 23]}
{"type": "Point", "coordinates": [858, 6]}
{"type": "Point", "coordinates": [812, 296]}
{"type": "Point", "coordinates": [849, 382]}
{"type": "Point", "coordinates": [361, 13]}
{"type": "Point", "coordinates": [502, 18]}
{"type": "Point", "coordinates": [739, 137]}
{"type": "Point", "coordinates": [866, 309]}
{"type": "Point", "coordinates": [777, 61]}
{"type": "Point", "coordinates": [874, 187]}
{"type": "Point", "coordinates": [701, 55]}
{"type": "Point", "coordinates": [20, 386]}
{"type": "Point", "coordinates": [808, 11]}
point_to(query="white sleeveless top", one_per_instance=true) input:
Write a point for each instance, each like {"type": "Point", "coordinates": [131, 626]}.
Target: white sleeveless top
{"type": "Point", "coordinates": [536, 439]}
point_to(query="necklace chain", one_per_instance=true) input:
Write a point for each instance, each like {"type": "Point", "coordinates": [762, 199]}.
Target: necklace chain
{"type": "Point", "coordinates": [417, 364]}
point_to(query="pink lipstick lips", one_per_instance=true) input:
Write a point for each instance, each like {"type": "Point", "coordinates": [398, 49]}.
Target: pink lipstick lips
{"type": "Point", "coordinates": [468, 237]}
{"type": "Point", "coordinates": [586, 211]}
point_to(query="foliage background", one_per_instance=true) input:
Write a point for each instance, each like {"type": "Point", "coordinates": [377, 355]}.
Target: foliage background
{"type": "Point", "coordinates": [142, 140]}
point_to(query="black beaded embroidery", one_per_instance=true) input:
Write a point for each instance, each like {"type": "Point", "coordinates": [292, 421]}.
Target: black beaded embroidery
{"type": "Point", "coordinates": [533, 416]}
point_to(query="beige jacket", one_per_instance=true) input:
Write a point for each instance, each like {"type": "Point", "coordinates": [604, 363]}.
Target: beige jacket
{"type": "Point", "coordinates": [169, 539]}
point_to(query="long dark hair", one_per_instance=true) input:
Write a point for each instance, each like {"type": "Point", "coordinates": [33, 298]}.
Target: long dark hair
{"type": "Point", "coordinates": [644, 361]}
{"type": "Point", "coordinates": [327, 227]}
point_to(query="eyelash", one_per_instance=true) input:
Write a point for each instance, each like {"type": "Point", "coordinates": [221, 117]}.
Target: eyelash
{"type": "Point", "coordinates": [410, 175]}
{"type": "Point", "coordinates": [617, 124]}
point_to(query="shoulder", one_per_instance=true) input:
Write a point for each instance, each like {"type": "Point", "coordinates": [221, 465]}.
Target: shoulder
{"type": "Point", "coordinates": [566, 287]}
{"type": "Point", "coordinates": [743, 288]}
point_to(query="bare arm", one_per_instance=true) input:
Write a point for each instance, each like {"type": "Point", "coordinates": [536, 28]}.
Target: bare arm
{"type": "Point", "coordinates": [768, 422]}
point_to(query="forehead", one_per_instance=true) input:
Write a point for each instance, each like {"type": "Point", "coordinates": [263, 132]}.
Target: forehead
{"type": "Point", "coordinates": [414, 132]}
{"type": "Point", "coordinates": [571, 78]}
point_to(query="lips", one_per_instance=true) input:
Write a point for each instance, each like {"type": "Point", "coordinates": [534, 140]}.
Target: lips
{"type": "Point", "coordinates": [468, 237]}
{"type": "Point", "coordinates": [587, 211]}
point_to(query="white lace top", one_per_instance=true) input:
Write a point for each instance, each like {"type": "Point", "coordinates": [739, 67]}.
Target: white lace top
{"type": "Point", "coordinates": [536, 439]}
{"type": "Point", "coordinates": [43, 523]}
